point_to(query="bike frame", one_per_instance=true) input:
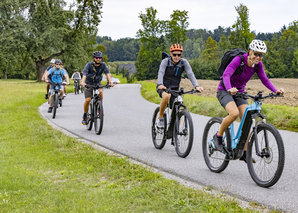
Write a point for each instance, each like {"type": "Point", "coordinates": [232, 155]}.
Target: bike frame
{"type": "Point", "coordinates": [238, 141]}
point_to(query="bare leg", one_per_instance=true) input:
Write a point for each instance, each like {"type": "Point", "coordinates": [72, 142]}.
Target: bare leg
{"type": "Point", "coordinates": [163, 103]}
{"type": "Point", "coordinates": [86, 104]}
{"type": "Point", "coordinates": [233, 112]}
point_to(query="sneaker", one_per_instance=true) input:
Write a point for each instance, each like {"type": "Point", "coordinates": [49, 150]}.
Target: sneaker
{"type": "Point", "coordinates": [50, 110]}
{"type": "Point", "coordinates": [161, 123]}
{"type": "Point", "coordinates": [47, 96]}
{"type": "Point", "coordinates": [84, 121]}
{"type": "Point", "coordinates": [218, 142]}
{"type": "Point", "coordinates": [243, 158]}
{"type": "Point", "coordinates": [64, 95]}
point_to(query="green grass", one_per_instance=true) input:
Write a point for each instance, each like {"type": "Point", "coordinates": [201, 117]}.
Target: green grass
{"type": "Point", "coordinates": [43, 170]}
{"type": "Point", "coordinates": [282, 117]}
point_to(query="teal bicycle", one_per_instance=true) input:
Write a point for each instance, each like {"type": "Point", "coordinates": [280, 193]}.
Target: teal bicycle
{"type": "Point", "coordinates": [265, 152]}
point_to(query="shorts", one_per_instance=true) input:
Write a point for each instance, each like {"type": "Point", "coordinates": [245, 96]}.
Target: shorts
{"type": "Point", "coordinates": [89, 91]}
{"type": "Point", "coordinates": [224, 97]}
{"type": "Point", "coordinates": [172, 96]}
{"type": "Point", "coordinates": [52, 88]}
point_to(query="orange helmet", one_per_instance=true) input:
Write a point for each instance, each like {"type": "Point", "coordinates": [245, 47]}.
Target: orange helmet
{"type": "Point", "coordinates": [176, 47]}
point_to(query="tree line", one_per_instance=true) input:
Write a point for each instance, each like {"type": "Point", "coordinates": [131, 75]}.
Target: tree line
{"type": "Point", "coordinates": [33, 32]}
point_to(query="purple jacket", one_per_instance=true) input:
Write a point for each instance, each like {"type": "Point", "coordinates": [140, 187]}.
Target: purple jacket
{"type": "Point", "coordinates": [240, 80]}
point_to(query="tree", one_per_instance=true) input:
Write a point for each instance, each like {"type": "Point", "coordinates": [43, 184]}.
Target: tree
{"type": "Point", "coordinates": [241, 36]}
{"type": "Point", "coordinates": [176, 27]}
{"type": "Point", "coordinates": [223, 45]}
{"type": "Point", "coordinates": [210, 54]}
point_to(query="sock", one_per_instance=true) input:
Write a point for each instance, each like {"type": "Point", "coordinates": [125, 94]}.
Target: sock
{"type": "Point", "coordinates": [218, 136]}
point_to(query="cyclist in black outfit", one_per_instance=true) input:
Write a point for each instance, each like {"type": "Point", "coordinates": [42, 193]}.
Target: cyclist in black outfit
{"type": "Point", "coordinates": [169, 76]}
{"type": "Point", "coordinates": [92, 75]}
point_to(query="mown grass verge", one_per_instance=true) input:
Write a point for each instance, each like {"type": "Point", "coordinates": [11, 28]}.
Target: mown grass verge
{"type": "Point", "coordinates": [43, 170]}
{"type": "Point", "coordinates": [282, 117]}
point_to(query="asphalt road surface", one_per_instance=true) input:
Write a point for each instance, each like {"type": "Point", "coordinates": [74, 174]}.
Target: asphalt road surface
{"type": "Point", "coordinates": [127, 130]}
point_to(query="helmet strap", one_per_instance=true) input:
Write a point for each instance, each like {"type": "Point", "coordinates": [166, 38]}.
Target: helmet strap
{"type": "Point", "coordinates": [253, 64]}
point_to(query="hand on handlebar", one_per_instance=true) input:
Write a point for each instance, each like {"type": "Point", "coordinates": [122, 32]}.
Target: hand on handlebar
{"type": "Point", "coordinates": [200, 89]}
{"type": "Point", "coordinates": [280, 91]}
{"type": "Point", "coordinates": [83, 84]}
{"type": "Point", "coordinates": [233, 91]}
{"type": "Point", "coordinates": [161, 87]}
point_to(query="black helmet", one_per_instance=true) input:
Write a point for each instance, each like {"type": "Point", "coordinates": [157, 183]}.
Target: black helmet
{"type": "Point", "coordinates": [58, 61]}
{"type": "Point", "coordinates": [97, 54]}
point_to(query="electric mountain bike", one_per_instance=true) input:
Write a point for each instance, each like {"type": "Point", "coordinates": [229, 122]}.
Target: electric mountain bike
{"type": "Point", "coordinates": [265, 154]}
{"type": "Point", "coordinates": [178, 125]}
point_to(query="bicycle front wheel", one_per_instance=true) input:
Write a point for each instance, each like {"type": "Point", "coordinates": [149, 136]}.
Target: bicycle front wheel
{"type": "Point", "coordinates": [266, 167]}
{"type": "Point", "coordinates": [55, 104]}
{"type": "Point", "coordinates": [216, 161]}
{"type": "Point", "coordinates": [89, 117]}
{"type": "Point", "coordinates": [98, 117]}
{"type": "Point", "coordinates": [158, 134]}
{"type": "Point", "coordinates": [183, 134]}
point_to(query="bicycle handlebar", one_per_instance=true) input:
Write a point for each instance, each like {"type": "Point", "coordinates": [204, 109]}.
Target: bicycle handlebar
{"type": "Point", "coordinates": [257, 97]}
{"type": "Point", "coordinates": [97, 86]}
{"type": "Point", "coordinates": [181, 91]}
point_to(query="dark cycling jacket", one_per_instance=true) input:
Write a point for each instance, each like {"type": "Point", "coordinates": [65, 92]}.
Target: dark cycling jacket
{"type": "Point", "coordinates": [170, 74]}
{"type": "Point", "coordinates": [93, 74]}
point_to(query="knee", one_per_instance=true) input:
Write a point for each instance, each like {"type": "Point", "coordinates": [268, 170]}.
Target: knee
{"type": "Point", "coordinates": [87, 100]}
{"type": "Point", "coordinates": [234, 115]}
{"type": "Point", "coordinates": [166, 96]}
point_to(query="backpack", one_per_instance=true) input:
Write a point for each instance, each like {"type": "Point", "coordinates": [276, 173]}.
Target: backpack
{"type": "Point", "coordinates": [226, 60]}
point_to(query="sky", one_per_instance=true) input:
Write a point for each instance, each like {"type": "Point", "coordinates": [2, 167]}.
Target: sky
{"type": "Point", "coordinates": [120, 18]}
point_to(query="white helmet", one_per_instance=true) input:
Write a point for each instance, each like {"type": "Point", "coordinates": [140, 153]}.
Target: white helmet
{"type": "Point", "coordinates": [53, 61]}
{"type": "Point", "coordinates": [258, 45]}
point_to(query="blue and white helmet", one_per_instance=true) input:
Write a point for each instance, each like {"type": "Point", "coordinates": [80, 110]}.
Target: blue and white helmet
{"type": "Point", "coordinates": [258, 45]}
{"type": "Point", "coordinates": [53, 61]}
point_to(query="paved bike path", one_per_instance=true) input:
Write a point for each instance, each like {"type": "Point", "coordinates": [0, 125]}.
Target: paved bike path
{"type": "Point", "coordinates": [127, 130]}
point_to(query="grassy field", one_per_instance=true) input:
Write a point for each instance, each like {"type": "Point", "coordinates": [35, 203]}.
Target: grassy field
{"type": "Point", "coordinates": [43, 170]}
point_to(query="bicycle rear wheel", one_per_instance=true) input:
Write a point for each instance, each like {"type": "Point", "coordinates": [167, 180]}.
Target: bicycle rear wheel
{"type": "Point", "coordinates": [98, 117]}
{"type": "Point", "coordinates": [216, 161]}
{"type": "Point", "coordinates": [55, 104]}
{"type": "Point", "coordinates": [266, 168]}
{"type": "Point", "coordinates": [89, 117]}
{"type": "Point", "coordinates": [158, 134]}
{"type": "Point", "coordinates": [183, 134]}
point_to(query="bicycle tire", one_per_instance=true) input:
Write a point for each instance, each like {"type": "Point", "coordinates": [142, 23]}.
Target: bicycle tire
{"type": "Point", "coordinates": [76, 89]}
{"type": "Point", "coordinates": [55, 104]}
{"type": "Point", "coordinates": [183, 133]}
{"type": "Point", "coordinates": [216, 161]}
{"type": "Point", "coordinates": [158, 135]}
{"type": "Point", "coordinates": [273, 163]}
{"type": "Point", "coordinates": [98, 117]}
{"type": "Point", "coordinates": [89, 117]}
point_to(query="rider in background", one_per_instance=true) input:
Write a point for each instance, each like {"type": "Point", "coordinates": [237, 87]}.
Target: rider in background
{"type": "Point", "coordinates": [235, 106]}
{"type": "Point", "coordinates": [57, 72]}
{"type": "Point", "coordinates": [169, 76]}
{"type": "Point", "coordinates": [43, 77]}
{"type": "Point", "coordinates": [92, 75]}
{"type": "Point", "coordinates": [76, 76]}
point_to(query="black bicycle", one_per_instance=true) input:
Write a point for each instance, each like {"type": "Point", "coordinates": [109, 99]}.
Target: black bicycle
{"type": "Point", "coordinates": [55, 100]}
{"type": "Point", "coordinates": [95, 111]}
{"type": "Point", "coordinates": [76, 86]}
{"type": "Point", "coordinates": [265, 150]}
{"type": "Point", "coordinates": [178, 125]}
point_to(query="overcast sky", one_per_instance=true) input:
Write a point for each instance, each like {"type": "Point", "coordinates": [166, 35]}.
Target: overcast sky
{"type": "Point", "coordinates": [120, 17]}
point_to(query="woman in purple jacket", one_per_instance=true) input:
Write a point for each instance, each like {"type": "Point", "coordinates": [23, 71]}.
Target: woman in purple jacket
{"type": "Point", "coordinates": [232, 84]}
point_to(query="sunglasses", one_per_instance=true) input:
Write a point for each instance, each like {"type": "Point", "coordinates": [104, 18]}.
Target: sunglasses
{"type": "Point", "coordinates": [98, 57]}
{"type": "Point", "coordinates": [58, 64]}
{"type": "Point", "coordinates": [259, 54]}
{"type": "Point", "coordinates": [179, 55]}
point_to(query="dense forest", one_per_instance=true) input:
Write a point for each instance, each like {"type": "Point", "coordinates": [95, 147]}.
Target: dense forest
{"type": "Point", "coordinates": [32, 33]}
